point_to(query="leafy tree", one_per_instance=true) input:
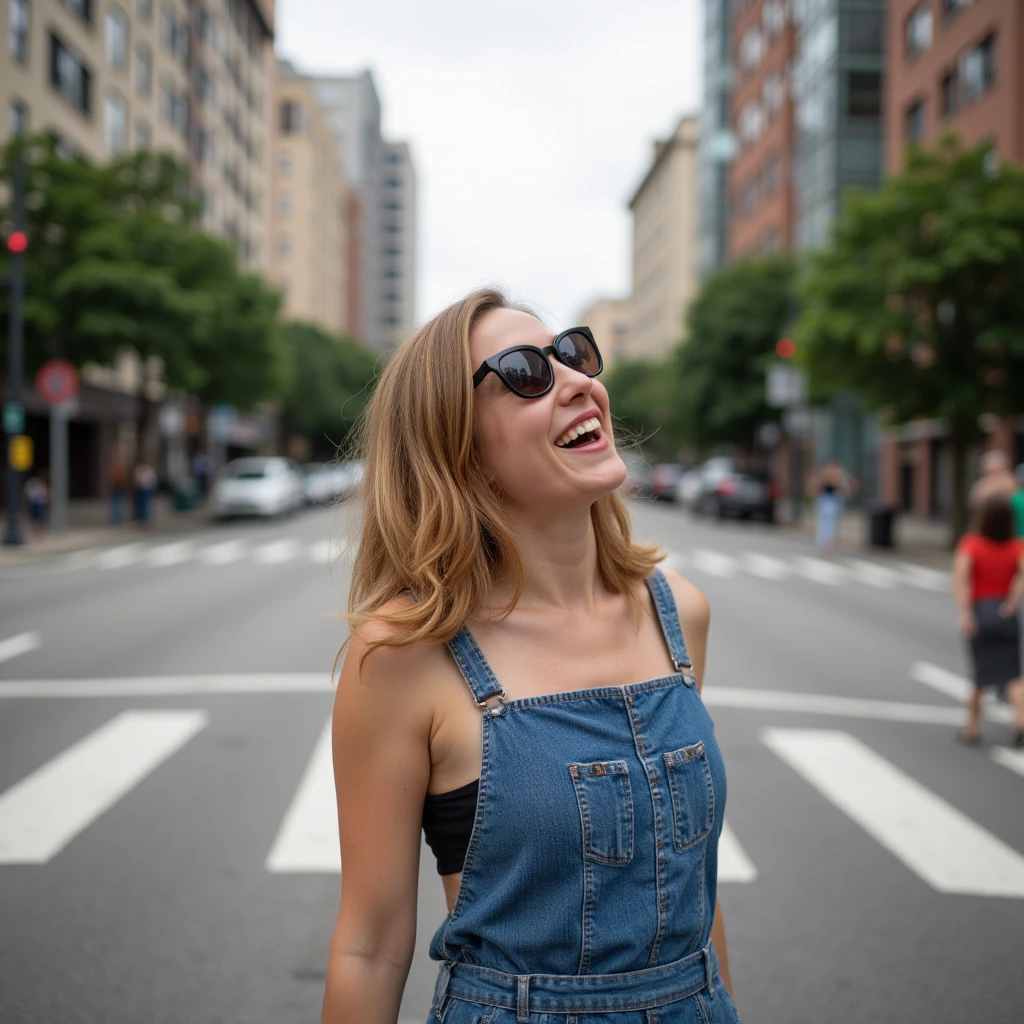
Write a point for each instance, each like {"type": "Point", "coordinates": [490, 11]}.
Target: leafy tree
{"type": "Point", "coordinates": [640, 396]}
{"type": "Point", "coordinates": [733, 325]}
{"type": "Point", "coordinates": [919, 302]}
{"type": "Point", "coordinates": [330, 382]}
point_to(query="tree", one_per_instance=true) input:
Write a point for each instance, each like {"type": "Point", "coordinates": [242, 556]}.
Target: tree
{"type": "Point", "coordinates": [640, 396]}
{"type": "Point", "coordinates": [330, 380]}
{"type": "Point", "coordinates": [919, 302]}
{"type": "Point", "coordinates": [734, 324]}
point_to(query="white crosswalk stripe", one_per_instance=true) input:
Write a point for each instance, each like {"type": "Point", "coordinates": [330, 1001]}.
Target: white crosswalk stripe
{"type": "Point", "coordinates": [820, 571]}
{"type": "Point", "coordinates": [959, 688]}
{"type": "Point", "coordinates": [765, 566]}
{"type": "Point", "coordinates": [169, 554]}
{"type": "Point", "coordinates": [276, 552]}
{"type": "Point", "coordinates": [872, 574]}
{"type": "Point", "coordinates": [21, 643]}
{"type": "Point", "coordinates": [119, 557]}
{"type": "Point", "coordinates": [1012, 759]}
{"type": "Point", "coordinates": [714, 563]}
{"type": "Point", "coordinates": [223, 553]}
{"type": "Point", "coordinates": [733, 863]}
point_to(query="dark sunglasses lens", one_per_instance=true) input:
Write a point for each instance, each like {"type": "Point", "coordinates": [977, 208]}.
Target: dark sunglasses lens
{"type": "Point", "coordinates": [577, 351]}
{"type": "Point", "coordinates": [526, 371]}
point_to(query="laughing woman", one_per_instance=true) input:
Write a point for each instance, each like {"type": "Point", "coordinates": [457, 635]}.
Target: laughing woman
{"type": "Point", "coordinates": [523, 684]}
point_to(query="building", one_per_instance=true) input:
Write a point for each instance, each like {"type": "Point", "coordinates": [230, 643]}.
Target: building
{"type": "Point", "coordinates": [609, 320]}
{"type": "Point", "coordinates": [717, 144]}
{"type": "Point", "coordinates": [385, 236]}
{"type": "Point", "coordinates": [310, 210]}
{"type": "Point", "coordinates": [760, 204]}
{"type": "Point", "coordinates": [665, 241]}
{"type": "Point", "coordinates": [953, 65]}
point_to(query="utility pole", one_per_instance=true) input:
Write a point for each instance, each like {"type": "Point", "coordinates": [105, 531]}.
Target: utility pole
{"type": "Point", "coordinates": [16, 243]}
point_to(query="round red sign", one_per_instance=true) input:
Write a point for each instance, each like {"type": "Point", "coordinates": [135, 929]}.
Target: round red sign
{"type": "Point", "coordinates": [57, 382]}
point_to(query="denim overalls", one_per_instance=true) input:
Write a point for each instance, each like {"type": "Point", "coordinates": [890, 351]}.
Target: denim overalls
{"type": "Point", "coordinates": [588, 890]}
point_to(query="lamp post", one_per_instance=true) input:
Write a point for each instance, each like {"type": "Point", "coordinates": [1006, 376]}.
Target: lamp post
{"type": "Point", "coordinates": [17, 243]}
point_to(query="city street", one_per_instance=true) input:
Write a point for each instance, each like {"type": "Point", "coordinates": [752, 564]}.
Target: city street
{"type": "Point", "coordinates": [168, 847]}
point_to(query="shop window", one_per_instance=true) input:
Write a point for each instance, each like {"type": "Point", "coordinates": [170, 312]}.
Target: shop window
{"type": "Point", "coordinates": [913, 121]}
{"type": "Point", "coordinates": [919, 30]}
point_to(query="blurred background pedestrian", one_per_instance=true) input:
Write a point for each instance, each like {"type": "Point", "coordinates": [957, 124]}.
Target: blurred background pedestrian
{"type": "Point", "coordinates": [145, 489]}
{"type": "Point", "coordinates": [830, 486]}
{"type": "Point", "coordinates": [37, 497]}
{"type": "Point", "coordinates": [988, 583]}
{"type": "Point", "coordinates": [995, 480]}
{"type": "Point", "coordinates": [202, 470]}
{"type": "Point", "coordinates": [117, 481]}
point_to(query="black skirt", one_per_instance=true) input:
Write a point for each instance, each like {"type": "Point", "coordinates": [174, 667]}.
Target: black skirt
{"type": "Point", "coordinates": [995, 648]}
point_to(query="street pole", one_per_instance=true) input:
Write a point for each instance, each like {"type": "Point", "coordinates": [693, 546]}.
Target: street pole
{"type": "Point", "coordinates": [12, 533]}
{"type": "Point", "coordinates": [59, 467]}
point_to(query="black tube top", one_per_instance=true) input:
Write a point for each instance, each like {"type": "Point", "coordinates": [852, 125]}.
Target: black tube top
{"type": "Point", "coordinates": [448, 825]}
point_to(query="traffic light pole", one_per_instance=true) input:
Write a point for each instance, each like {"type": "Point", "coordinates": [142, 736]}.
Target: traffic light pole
{"type": "Point", "coordinates": [15, 338]}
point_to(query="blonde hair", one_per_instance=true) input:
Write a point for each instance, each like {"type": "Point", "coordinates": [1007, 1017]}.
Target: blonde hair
{"type": "Point", "coordinates": [433, 525]}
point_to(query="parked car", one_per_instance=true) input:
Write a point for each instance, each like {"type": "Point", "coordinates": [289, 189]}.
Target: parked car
{"type": "Point", "coordinates": [728, 489]}
{"type": "Point", "coordinates": [321, 483]}
{"type": "Point", "coordinates": [688, 487]}
{"type": "Point", "coordinates": [259, 486]}
{"type": "Point", "coordinates": [664, 478]}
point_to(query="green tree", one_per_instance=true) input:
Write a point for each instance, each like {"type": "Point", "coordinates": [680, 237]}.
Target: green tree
{"type": "Point", "coordinates": [330, 381]}
{"type": "Point", "coordinates": [640, 396]}
{"type": "Point", "coordinates": [734, 324]}
{"type": "Point", "coordinates": [919, 303]}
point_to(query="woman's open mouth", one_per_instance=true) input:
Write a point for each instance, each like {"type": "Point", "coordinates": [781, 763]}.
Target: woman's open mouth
{"type": "Point", "coordinates": [586, 436]}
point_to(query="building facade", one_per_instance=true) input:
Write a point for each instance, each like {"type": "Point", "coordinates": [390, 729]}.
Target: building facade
{"type": "Point", "coordinates": [398, 248]}
{"type": "Point", "coordinates": [665, 244]}
{"type": "Point", "coordinates": [310, 210]}
{"type": "Point", "coordinates": [954, 65]}
{"type": "Point", "coordinates": [609, 320]}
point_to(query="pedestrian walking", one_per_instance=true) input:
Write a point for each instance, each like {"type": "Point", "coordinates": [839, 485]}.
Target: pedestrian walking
{"type": "Point", "coordinates": [830, 487]}
{"type": "Point", "coordinates": [202, 469]}
{"type": "Point", "coordinates": [988, 583]}
{"type": "Point", "coordinates": [523, 684]}
{"type": "Point", "coordinates": [145, 479]}
{"type": "Point", "coordinates": [37, 497]}
{"type": "Point", "coordinates": [117, 485]}
{"type": "Point", "coordinates": [995, 480]}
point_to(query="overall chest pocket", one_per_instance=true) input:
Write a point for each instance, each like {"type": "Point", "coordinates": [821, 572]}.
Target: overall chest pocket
{"type": "Point", "coordinates": [606, 810]}
{"type": "Point", "coordinates": [693, 795]}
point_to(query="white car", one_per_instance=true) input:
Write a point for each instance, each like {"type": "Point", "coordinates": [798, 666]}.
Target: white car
{"type": "Point", "coordinates": [258, 486]}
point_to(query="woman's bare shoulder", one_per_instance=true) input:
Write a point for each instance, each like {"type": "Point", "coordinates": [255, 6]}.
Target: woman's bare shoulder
{"type": "Point", "coordinates": [691, 604]}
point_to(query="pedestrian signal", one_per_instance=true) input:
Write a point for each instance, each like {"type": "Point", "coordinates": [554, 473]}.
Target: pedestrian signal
{"type": "Point", "coordinates": [785, 348]}
{"type": "Point", "coordinates": [19, 452]}
{"type": "Point", "coordinates": [17, 242]}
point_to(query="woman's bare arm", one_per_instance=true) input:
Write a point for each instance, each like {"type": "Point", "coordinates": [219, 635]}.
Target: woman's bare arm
{"type": "Point", "coordinates": [381, 726]}
{"type": "Point", "coordinates": [962, 563]}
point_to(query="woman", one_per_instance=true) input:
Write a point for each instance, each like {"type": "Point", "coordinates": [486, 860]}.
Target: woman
{"type": "Point", "coordinates": [988, 582]}
{"type": "Point", "coordinates": [489, 694]}
{"type": "Point", "coordinates": [830, 488]}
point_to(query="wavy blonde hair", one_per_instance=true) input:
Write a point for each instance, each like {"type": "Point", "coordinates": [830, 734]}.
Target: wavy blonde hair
{"type": "Point", "coordinates": [432, 523]}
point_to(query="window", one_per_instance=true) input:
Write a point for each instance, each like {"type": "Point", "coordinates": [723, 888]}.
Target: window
{"type": "Point", "coordinates": [144, 70]}
{"type": "Point", "coordinates": [773, 17]}
{"type": "Point", "coordinates": [913, 122]}
{"type": "Point", "coordinates": [284, 206]}
{"type": "Point", "coordinates": [292, 120]}
{"type": "Point", "coordinates": [919, 30]}
{"type": "Point", "coordinates": [142, 136]}
{"type": "Point", "coordinates": [206, 147]}
{"type": "Point", "coordinates": [18, 118]}
{"type": "Point", "coordinates": [950, 93]}
{"type": "Point", "coordinates": [284, 163]}
{"type": "Point", "coordinates": [284, 248]}
{"type": "Point", "coordinates": [864, 31]}
{"type": "Point", "coordinates": [751, 49]}
{"type": "Point", "coordinates": [751, 121]}
{"type": "Point", "coordinates": [144, 8]}
{"type": "Point", "coordinates": [863, 94]}
{"type": "Point", "coordinates": [18, 36]}
{"type": "Point", "coordinates": [978, 69]}
{"type": "Point", "coordinates": [69, 76]}
{"type": "Point", "coordinates": [167, 26]}
{"type": "Point", "coordinates": [117, 38]}
{"type": "Point", "coordinates": [394, 158]}
{"type": "Point", "coordinates": [115, 123]}
{"type": "Point", "coordinates": [83, 8]}
{"type": "Point", "coordinates": [952, 7]}
{"type": "Point", "coordinates": [174, 106]}
{"type": "Point", "coordinates": [772, 93]}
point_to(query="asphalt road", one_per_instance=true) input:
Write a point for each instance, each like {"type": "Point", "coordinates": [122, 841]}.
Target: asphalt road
{"type": "Point", "coordinates": [167, 847]}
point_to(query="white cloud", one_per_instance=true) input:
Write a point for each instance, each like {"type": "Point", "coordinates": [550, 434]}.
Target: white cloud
{"type": "Point", "coordinates": [530, 123]}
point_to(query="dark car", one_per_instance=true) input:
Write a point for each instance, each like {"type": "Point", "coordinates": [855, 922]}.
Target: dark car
{"type": "Point", "coordinates": [664, 478]}
{"type": "Point", "coordinates": [730, 490]}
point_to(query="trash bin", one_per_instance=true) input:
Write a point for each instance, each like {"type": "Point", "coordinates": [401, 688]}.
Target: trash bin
{"type": "Point", "coordinates": [880, 534]}
{"type": "Point", "coordinates": [185, 497]}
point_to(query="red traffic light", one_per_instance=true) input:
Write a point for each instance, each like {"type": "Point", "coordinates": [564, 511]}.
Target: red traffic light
{"type": "Point", "coordinates": [17, 242]}
{"type": "Point", "coordinates": [785, 348]}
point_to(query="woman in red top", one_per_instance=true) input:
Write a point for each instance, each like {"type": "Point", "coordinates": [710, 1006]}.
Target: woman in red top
{"type": "Point", "coordinates": [988, 583]}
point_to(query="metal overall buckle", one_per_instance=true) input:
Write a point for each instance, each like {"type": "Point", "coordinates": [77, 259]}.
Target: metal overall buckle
{"type": "Point", "coordinates": [493, 710]}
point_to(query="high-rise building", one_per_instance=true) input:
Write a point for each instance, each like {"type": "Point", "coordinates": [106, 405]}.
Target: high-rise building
{"type": "Point", "coordinates": [310, 210]}
{"type": "Point", "coordinates": [609, 320]}
{"type": "Point", "coordinates": [952, 65]}
{"type": "Point", "coordinates": [193, 79]}
{"type": "Point", "coordinates": [352, 109]}
{"type": "Point", "coordinates": [665, 241]}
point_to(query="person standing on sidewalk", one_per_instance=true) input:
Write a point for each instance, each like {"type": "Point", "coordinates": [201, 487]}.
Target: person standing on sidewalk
{"type": "Point", "coordinates": [830, 487]}
{"type": "Point", "coordinates": [502, 617]}
{"type": "Point", "coordinates": [145, 489]}
{"type": "Point", "coordinates": [988, 584]}
{"type": "Point", "coordinates": [37, 496]}
{"type": "Point", "coordinates": [994, 480]}
{"type": "Point", "coordinates": [117, 482]}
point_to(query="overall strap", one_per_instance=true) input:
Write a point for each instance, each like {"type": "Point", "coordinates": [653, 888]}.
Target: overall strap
{"type": "Point", "coordinates": [665, 605]}
{"type": "Point", "coordinates": [476, 671]}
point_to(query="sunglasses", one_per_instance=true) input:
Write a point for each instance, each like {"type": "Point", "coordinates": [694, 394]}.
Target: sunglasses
{"type": "Point", "coordinates": [525, 370]}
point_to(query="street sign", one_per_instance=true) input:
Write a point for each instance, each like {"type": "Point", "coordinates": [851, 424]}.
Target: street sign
{"type": "Point", "coordinates": [787, 386]}
{"type": "Point", "coordinates": [57, 382]}
{"type": "Point", "coordinates": [14, 417]}
{"type": "Point", "coordinates": [19, 452]}
{"type": "Point", "coordinates": [798, 422]}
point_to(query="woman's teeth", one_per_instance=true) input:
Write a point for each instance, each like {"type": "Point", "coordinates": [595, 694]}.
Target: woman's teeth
{"type": "Point", "coordinates": [591, 426]}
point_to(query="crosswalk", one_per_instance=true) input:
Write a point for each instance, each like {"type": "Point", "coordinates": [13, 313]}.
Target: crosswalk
{"type": "Point", "coordinates": [939, 844]}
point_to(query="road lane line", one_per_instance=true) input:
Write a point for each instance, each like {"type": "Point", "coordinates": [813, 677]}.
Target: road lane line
{"type": "Point", "coordinates": [733, 863]}
{"type": "Point", "coordinates": [959, 688]}
{"type": "Point", "coordinates": [308, 838]}
{"type": "Point", "coordinates": [1012, 759]}
{"type": "Point", "coordinates": [941, 845]}
{"type": "Point", "coordinates": [714, 563]}
{"type": "Point", "coordinates": [765, 566]}
{"type": "Point", "coordinates": [674, 562]}
{"type": "Point", "coordinates": [119, 557]}
{"type": "Point", "coordinates": [277, 551]}
{"type": "Point", "coordinates": [170, 686]}
{"type": "Point", "coordinates": [872, 574]}
{"type": "Point", "coordinates": [222, 553]}
{"type": "Point", "coordinates": [320, 552]}
{"type": "Point", "coordinates": [41, 814]}
{"type": "Point", "coordinates": [20, 643]}
{"type": "Point", "coordinates": [923, 578]}
{"type": "Point", "coordinates": [169, 554]}
{"type": "Point", "coordinates": [820, 571]}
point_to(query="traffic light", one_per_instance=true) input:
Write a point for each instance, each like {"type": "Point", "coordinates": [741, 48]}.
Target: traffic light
{"type": "Point", "coordinates": [785, 348]}
{"type": "Point", "coordinates": [17, 242]}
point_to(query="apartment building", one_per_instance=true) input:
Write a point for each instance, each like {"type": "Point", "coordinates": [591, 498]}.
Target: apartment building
{"type": "Point", "coordinates": [192, 79]}
{"type": "Point", "coordinates": [310, 210]}
{"type": "Point", "coordinates": [383, 178]}
{"type": "Point", "coordinates": [954, 65]}
{"type": "Point", "coordinates": [665, 243]}
{"type": "Point", "coordinates": [609, 320]}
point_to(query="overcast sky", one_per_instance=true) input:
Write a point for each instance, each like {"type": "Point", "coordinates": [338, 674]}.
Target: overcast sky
{"type": "Point", "coordinates": [530, 121]}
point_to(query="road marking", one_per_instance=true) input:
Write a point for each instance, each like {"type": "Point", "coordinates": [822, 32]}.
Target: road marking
{"type": "Point", "coordinates": [1012, 759]}
{"type": "Point", "coordinates": [820, 571]}
{"type": "Point", "coordinates": [171, 686]}
{"type": "Point", "coordinates": [308, 838]}
{"type": "Point", "coordinates": [119, 557]}
{"type": "Point", "coordinates": [733, 863]}
{"type": "Point", "coordinates": [924, 578]}
{"type": "Point", "coordinates": [959, 688]}
{"type": "Point", "coordinates": [944, 847]}
{"type": "Point", "coordinates": [20, 643]}
{"type": "Point", "coordinates": [277, 551]}
{"type": "Point", "coordinates": [765, 566]}
{"type": "Point", "coordinates": [674, 562]}
{"type": "Point", "coordinates": [222, 553]}
{"type": "Point", "coordinates": [41, 814]}
{"type": "Point", "coordinates": [872, 574]}
{"type": "Point", "coordinates": [169, 554]}
{"type": "Point", "coordinates": [714, 563]}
